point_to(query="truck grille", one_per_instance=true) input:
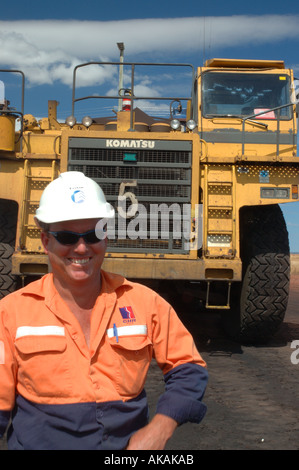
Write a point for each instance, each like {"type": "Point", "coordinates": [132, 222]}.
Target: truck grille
{"type": "Point", "coordinates": [158, 177]}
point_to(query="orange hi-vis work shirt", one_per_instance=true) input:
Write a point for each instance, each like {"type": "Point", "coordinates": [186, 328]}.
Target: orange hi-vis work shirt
{"type": "Point", "coordinates": [66, 395]}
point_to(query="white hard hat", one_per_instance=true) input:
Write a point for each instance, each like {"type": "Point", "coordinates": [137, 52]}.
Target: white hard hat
{"type": "Point", "coordinates": [73, 196]}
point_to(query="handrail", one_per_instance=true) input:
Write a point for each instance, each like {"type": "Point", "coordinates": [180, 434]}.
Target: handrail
{"type": "Point", "coordinates": [132, 96]}
{"type": "Point", "coordinates": [21, 113]}
{"type": "Point", "coordinates": [23, 84]}
{"type": "Point", "coordinates": [246, 118]}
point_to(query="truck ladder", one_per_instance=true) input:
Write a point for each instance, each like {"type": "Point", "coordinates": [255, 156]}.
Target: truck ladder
{"type": "Point", "coordinates": [36, 179]}
{"type": "Point", "coordinates": [220, 217]}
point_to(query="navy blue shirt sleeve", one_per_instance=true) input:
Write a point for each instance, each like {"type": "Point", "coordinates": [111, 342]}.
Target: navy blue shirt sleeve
{"type": "Point", "coordinates": [184, 389]}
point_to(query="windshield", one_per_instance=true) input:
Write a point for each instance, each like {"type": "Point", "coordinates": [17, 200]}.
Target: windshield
{"type": "Point", "coordinates": [245, 94]}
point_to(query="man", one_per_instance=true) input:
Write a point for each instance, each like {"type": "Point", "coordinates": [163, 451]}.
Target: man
{"type": "Point", "coordinates": [76, 345]}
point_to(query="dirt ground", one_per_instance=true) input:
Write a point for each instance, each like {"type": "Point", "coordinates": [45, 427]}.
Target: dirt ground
{"type": "Point", "coordinates": [253, 392]}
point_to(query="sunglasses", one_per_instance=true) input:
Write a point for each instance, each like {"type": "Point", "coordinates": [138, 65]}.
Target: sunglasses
{"type": "Point", "coordinates": [65, 237]}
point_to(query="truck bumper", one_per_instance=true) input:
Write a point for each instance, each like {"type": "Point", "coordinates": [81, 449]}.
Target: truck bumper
{"type": "Point", "coordinates": [140, 268]}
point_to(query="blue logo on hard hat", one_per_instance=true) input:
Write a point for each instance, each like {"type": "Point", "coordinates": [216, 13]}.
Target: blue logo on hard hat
{"type": "Point", "coordinates": [78, 196]}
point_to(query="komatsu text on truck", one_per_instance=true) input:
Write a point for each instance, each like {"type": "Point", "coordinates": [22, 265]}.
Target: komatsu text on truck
{"type": "Point", "coordinates": [197, 193]}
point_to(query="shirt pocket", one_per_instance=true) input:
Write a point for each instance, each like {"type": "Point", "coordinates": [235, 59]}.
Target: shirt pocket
{"type": "Point", "coordinates": [43, 366]}
{"type": "Point", "coordinates": [132, 358]}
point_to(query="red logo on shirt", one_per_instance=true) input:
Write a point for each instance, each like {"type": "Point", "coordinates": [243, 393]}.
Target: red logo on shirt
{"type": "Point", "coordinates": [127, 314]}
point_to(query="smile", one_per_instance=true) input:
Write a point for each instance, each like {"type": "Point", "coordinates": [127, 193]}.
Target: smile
{"type": "Point", "coordinates": [79, 260]}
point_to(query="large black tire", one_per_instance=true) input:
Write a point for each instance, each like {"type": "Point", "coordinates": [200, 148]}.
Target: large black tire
{"type": "Point", "coordinates": [259, 303]}
{"type": "Point", "coordinates": [8, 223]}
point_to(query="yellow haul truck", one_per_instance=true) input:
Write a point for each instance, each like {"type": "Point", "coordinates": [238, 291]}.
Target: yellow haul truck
{"type": "Point", "coordinates": [196, 193]}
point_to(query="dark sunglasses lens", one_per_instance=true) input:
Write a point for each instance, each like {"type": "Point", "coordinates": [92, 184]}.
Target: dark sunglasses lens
{"type": "Point", "coordinates": [67, 238]}
{"type": "Point", "coordinates": [70, 238]}
{"type": "Point", "coordinates": [90, 237]}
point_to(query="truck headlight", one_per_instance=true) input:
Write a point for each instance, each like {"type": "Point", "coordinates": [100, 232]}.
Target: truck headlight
{"type": "Point", "coordinates": [191, 124]}
{"type": "Point", "coordinates": [175, 124]}
{"type": "Point", "coordinates": [275, 193]}
{"type": "Point", "coordinates": [70, 121]}
{"type": "Point", "coordinates": [87, 121]}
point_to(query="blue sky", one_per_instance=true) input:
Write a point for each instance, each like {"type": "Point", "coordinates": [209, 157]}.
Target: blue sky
{"type": "Point", "coordinates": [47, 39]}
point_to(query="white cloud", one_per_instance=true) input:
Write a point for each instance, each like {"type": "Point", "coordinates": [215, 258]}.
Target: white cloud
{"type": "Point", "coordinates": [47, 50]}
{"type": "Point", "coordinates": [95, 74]}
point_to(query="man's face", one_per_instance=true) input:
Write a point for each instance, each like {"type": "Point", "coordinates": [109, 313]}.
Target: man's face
{"type": "Point", "coordinates": [80, 262]}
